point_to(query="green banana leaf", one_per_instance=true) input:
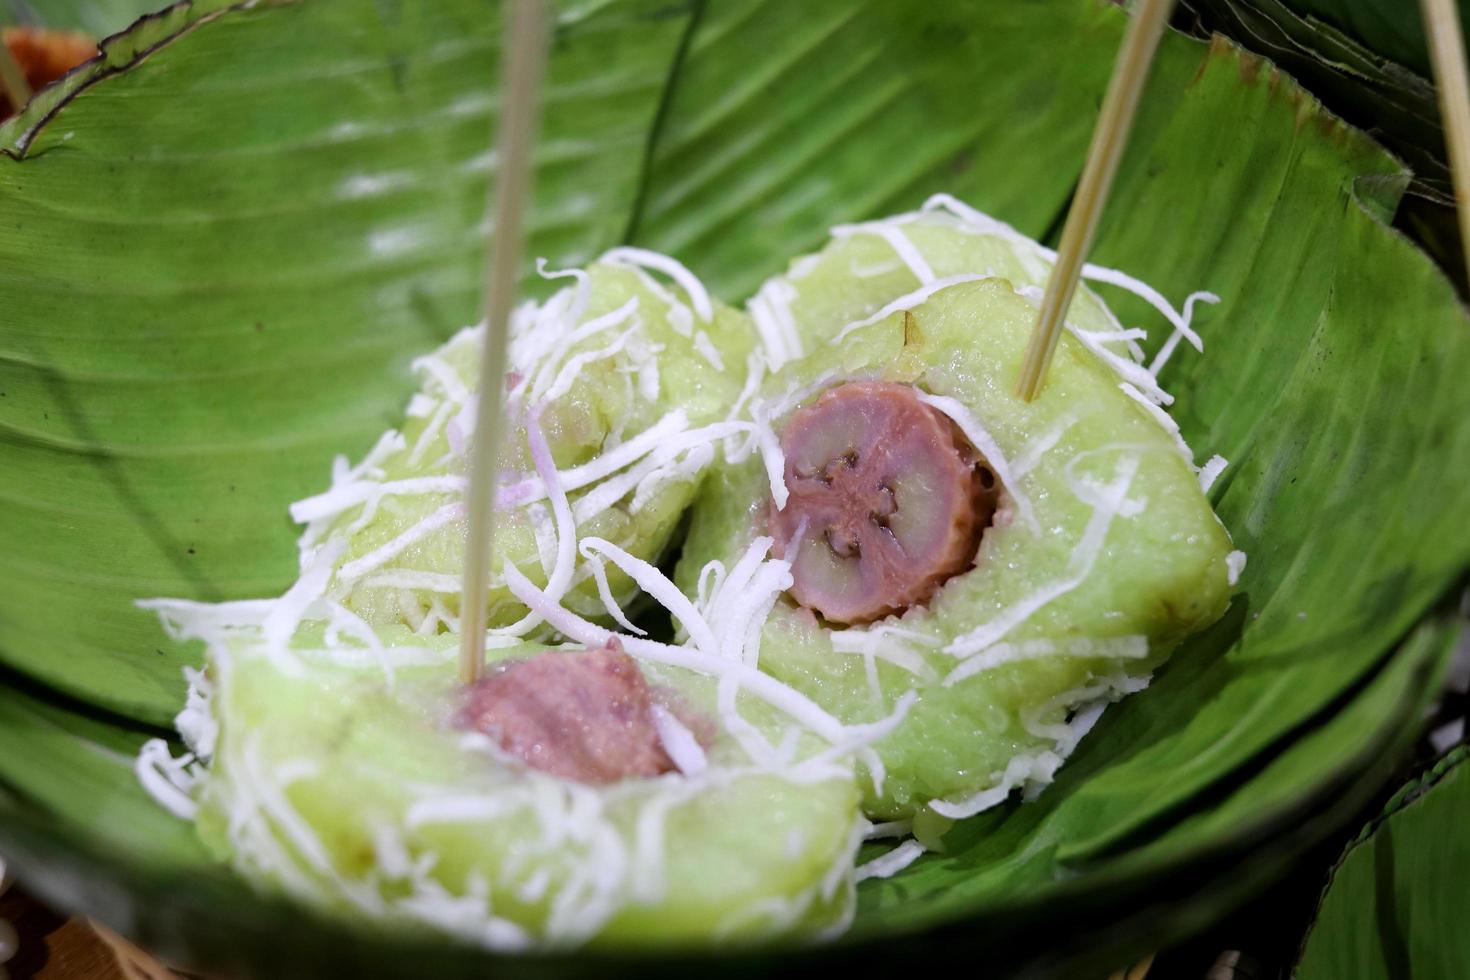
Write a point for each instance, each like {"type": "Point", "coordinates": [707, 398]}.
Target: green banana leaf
{"type": "Point", "coordinates": [221, 244]}
{"type": "Point", "coordinates": [1395, 102]}
{"type": "Point", "coordinates": [1356, 79]}
{"type": "Point", "coordinates": [1393, 905]}
{"type": "Point", "coordinates": [220, 256]}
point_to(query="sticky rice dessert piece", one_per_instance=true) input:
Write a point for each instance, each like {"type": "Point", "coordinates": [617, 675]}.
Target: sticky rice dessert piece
{"type": "Point", "coordinates": [618, 387]}
{"type": "Point", "coordinates": [1102, 555]}
{"type": "Point", "coordinates": [403, 799]}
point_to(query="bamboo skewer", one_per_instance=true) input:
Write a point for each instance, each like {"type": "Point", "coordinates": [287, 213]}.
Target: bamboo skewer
{"type": "Point", "coordinates": [1447, 54]}
{"type": "Point", "coordinates": [526, 35]}
{"type": "Point", "coordinates": [1108, 139]}
{"type": "Point", "coordinates": [12, 80]}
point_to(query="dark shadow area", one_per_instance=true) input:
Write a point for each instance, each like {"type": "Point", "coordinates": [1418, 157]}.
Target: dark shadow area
{"type": "Point", "coordinates": [36, 926]}
{"type": "Point", "coordinates": [1052, 234]}
{"type": "Point", "coordinates": [14, 682]}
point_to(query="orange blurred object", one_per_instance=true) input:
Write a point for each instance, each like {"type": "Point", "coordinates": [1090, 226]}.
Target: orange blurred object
{"type": "Point", "coordinates": [44, 56]}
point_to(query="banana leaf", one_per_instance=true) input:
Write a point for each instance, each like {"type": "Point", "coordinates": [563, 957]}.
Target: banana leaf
{"type": "Point", "coordinates": [220, 255]}
{"type": "Point", "coordinates": [1393, 99]}
{"type": "Point", "coordinates": [1395, 102]}
{"type": "Point", "coordinates": [222, 243]}
{"type": "Point", "coordinates": [1391, 908]}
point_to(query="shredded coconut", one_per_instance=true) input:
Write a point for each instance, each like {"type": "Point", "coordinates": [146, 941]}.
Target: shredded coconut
{"type": "Point", "coordinates": [902, 246]}
{"type": "Point", "coordinates": [1211, 471]}
{"type": "Point", "coordinates": [708, 350]}
{"type": "Point", "coordinates": [890, 828]}
{"type": "Point", "coordinates": [168, 780]}
{"type": "Point", "coordinates": [1040, 767]}
{"type": "Point", "coordinates": [1000, 654]}
{"type": "Point", "coordinates": [385, 553]}
{"type": "Point", "coordinates": [770, 311]}
{"type": "Point", "coordinates": [1078, 568]}
{"type": "Point", "coordinates": [981, 439]}
{"type": "Point", "coordinates": [1166, 422]}
{"type": "Point", "coordinates": [1040, 445]}
{"type": "Point", "coordinates": [906, 302]}
{"type": "Point", "coordinates": [1179, 319]}
{"type": "Point", "coordinates": [1234, 566]}
{"type": "Point", "coordinates": [893, 862]}
{"type": "Point", "coordinates": [675, 270]}
{"type": "Point", "coordinates": [679, 743]}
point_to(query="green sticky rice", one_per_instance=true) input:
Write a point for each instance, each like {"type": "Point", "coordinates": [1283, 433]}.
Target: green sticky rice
{"type": "Point", "coordinates": [344, 786]}
{"type": "Point", "coordinates": [661, 367]}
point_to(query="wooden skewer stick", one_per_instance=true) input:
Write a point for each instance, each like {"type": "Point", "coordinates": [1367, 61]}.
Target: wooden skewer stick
{"type": "Point", "coordinates": [12, 80]}
{"type": "Point", "coordinates": [1108, 140]}
{"type": "Point", "coordinates": [524, 52]}
{"type": "Point", "coordinates": [1447, 54]}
